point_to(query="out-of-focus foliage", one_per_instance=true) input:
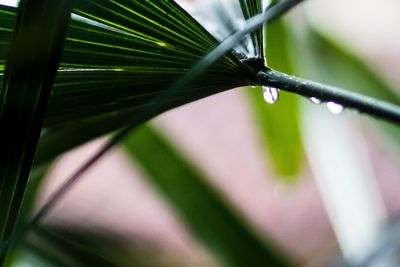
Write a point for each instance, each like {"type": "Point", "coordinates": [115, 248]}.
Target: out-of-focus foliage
{"type": "Point", "coordinates": [60, 246]}
{"type": "Point", "coordinates": [279, 123]}
{"type": "Point", "coordinates": [343, 68]}
{"type": "Point", "coordinates": [200, 206]}
{"type": "Point", "coordinates": [24, 96]}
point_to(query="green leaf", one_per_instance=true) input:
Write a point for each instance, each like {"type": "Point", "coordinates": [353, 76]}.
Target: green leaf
{"type": "Point", "coordinates": [7, 21]}
{"type": "Point", "coordinates": [28, 81]}
{"type": "Point", "coordinates": [344, 68]}
{"type": "Point", "coordinates": [58, 139]}
{"type": "Point", "coordinates": [121, 62]}
{"type": "Point", "coordinates": [36, 179]}
{"type": "Point", "coordinates": [279, 123]}
{"type": "Point", "coordinates": [29, 200]}
{"type": "Point", "coordinates": [63, 248]}
{"type": "Point", "coordinates": [146, 50]}
{"type": "Point", "coordinates": [71, 246]}
{"type": "Point", "coordinates": [200, 206]}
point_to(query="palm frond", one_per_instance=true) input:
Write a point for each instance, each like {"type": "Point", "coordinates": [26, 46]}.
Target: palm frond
{"type": "Point", "coordinates": [118, 56]}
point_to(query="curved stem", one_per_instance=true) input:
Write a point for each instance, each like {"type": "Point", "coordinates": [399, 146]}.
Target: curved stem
{"type": "Point", "coordinates": [364, 104]}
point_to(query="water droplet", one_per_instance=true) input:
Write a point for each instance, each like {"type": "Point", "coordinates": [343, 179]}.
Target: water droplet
{"type": "Point", "coordinates": [315, 100]}
{"type": "Point", "coordinates": [271, 94]}
{"type": "Point", "coordinates": [334, 107]}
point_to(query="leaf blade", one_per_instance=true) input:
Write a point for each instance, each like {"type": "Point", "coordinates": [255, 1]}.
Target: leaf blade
{"type": "Point", "coordinates": [26, 88]}
{"type": "Point", "coordinates": [208, 216]}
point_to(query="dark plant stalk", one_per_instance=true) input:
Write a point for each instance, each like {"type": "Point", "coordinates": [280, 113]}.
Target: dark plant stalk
{"type": "Point", "coordinates": [157, 103]}
{"type": "Point", "coordinates": [325, 93]}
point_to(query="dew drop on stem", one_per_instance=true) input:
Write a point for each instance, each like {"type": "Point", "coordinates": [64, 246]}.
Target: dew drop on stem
{"type": "Point", "coordinates": [315, 100]}
{"type": "Point", "coordinates": [270, 94]}
{"type": "Point", "coordinates": [334, 108]}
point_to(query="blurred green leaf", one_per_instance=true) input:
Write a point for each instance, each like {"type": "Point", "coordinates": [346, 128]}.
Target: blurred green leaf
{"type": "Point", "coordinates": [279, 123]}
{"type": "Point", "coordinates": [331, 63]}
{"type": "Point", "coordinates": [200, 206]}
{"type": "Point", "coordinates": [343, 68]}
{"type": "Point", "coordinates": [30, 258]}
{"type": "Point", "coordinates": [80, 247]}
{"type": "Point", "coordinates": [63, 248]}
{"type": "Point", "coordinates": [25, 91]}
{"type": "Point", "coordinates": [36, 179]}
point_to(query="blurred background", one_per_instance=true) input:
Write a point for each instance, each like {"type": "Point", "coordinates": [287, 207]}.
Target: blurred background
{"type": "Point", "coordinates": [319, 186]}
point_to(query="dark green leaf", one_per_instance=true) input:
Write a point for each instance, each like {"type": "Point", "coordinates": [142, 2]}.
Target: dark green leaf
{"type": "Point", "coordinates": [63, 249]}
{"type": "Point", "coordinates": [145, 52]}
{"type": "Point", "coordinates": [28, 81]}
{"type": "Point", "coordinates": [59, 139]}
{"type": "Point", "coordinates": [7, 20]}
{"type": "Point", "coordinates": [71, 246]}
{"type": "Point", "coordinates": [123, 63]}
{"type": "Point", "coordinates": [36, 178]}
{"type": "Point", "coordinates": [205, 213]}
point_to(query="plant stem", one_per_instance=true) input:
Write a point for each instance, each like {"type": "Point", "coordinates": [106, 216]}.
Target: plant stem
{"type": "Point", "coordinates": [325, 93]}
